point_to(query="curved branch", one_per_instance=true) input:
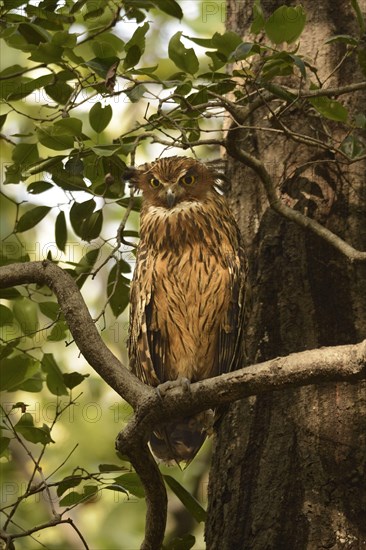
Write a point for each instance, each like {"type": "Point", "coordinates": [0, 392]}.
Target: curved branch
{"type": "Point", "coordinates": [293, 215]}
{"type": "Point", "coordinates": [335, 364]}
{"type": "Point", "coordinates": [80, 323]}
{"type": "Point", "coordinates": [343, 363]}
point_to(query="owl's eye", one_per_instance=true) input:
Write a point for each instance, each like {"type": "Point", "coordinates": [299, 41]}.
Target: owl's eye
{"type": "Point", "coordinates": [187, 180]}
{"type": "Point", "coordinates": [155, 183]}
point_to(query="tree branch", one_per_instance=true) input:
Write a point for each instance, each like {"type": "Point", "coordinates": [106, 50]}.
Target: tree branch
{"type": "Point", "coordinates": [80, 323]}
{"type": "Point", "coordinates": [343, 363]}
{"type": "Point", "coordinates": [293, 215]}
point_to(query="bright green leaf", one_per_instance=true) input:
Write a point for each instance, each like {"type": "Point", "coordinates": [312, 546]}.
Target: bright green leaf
{"type": "Point", "coordinates": [131, 482]}
{"type": "Point", "coordinates": [71, 499]}
{"type": "Point", "coordinates": [330, 108]}
{"type": "Point", "coordinates": [285, 24]}
{"type": "Point", "coordinates": [26, 313]}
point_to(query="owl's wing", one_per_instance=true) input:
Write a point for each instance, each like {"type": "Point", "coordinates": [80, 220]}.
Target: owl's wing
{"type": "Point", "coordinates": [141, 299]}
{"type": "Point", "coordinates": [230, 338]}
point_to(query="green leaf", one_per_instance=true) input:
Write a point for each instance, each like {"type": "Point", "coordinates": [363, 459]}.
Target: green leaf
{"type": "Point", "coordinates": [71, 499]}
{"type": "Point", "coordinates": [184, 58]}
{"type": "Point", "coordinates": [59, 92]}
{"type": "Point", "coordinates": [2, 120]}
{"type": "Point", "coordinates": [38, 187]}
{"type": "Point", "coordinates": [83, 269]}
{"type": "Point", "coordinates": [28, 87]}
{"type": "Point", "coordinates": [26, 313]}
{"type": "Point", "coordinates": [59, 332]}
{"type": "Point", "coordinates": [360, 18]}
{"type": "Point", "coordinates": [170, 7]}
{"type": "Point", "coordinates": [226, 43]}
{"type": "Point", "coordinates": [109, 468]}
{"type": "Point", "coordinates": [25, 154]}
{"type": "Point", "coordinates": [53, 139]}
{"type": "Point", "coordinates": [80, 214]}
{"type": "Point", "coordinates": [285, 24]}
{"type": "Point", "coordinates": [73, 379]}
{"type": "Point", "coordinates": [92, 226]}
{"type": "Point", "coordinates": [70, 125]}
{"type": "Point", "coordinates": [4, 444]}
{"type": "Point", "coordinates": [68, 483]}
{"type": "Point", "coordinates": [64, 39]}
{"type": "Point", "coordinates": [60, 135]}
{"type": "Point", "coordinates": [33, 33]}
{"type": "Point", "coordinates": [61, 231]}
{"type": "Point", "coordinates": [181, 543]}
{"type": "Point", "coordinates": [9, 293]}
{"type": "Point", "coordinates": [54, 379]}
{"type": "Point", "coordinates": [102, 65]}
{"type": "Point", "coordinates": [344, 38]}
{"type": "Point", "coordinates": [15, 370]}
{"type": "Point", "coordinates": [31, 218]}
{"type": "Point", "coordinates": [6, 316]}
{"type": "Point", "coordinates": [74, 498]}
{"type": "Point", "coordinates": [33, 384]}
{"type": "Point", "coordinates": [258, 18]}
{"type": "Point", "coordinates": [192, 505]}
{"type": "Point", "coordinates": [50, 309]}
{"type": "Point", "coordinates": [329, 108]}
{"type": "Point", "coordinates": [117, 290]}
{"type": "Point", "coordinates": [44, 164]}
{"type": "Point", "coordinates": [135, 47]}
{"type": "Point", "coordinates": [352, 147]}
{"type": "Point", "coordinates": [47, 53]}
{"type": "Point", "coordinates": [135, 93]}
{"type": "Point", "coordinates": [131, 482]}
{"type": "Point", "coordinates": [26, 428]}
{"type": "Point", "coordinates": [100, 117]}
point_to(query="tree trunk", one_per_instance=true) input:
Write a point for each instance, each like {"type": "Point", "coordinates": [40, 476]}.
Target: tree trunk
{"type": "Point", "coordinates": [289, 468]}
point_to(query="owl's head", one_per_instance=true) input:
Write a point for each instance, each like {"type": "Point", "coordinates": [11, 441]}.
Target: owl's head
{"type": "Point", "coordinates": [169, 181]}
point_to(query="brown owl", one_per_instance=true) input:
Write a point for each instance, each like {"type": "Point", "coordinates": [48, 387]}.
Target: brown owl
{"type": "Point", "coordinates": [187, 294]}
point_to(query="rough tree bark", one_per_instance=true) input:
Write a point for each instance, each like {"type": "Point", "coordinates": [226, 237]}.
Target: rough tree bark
{"type": "Point", "coordinates": [289, 467]}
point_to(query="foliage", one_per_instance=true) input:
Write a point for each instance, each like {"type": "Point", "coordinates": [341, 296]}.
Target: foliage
{"type": "Point", "coordinates": [72, 66]}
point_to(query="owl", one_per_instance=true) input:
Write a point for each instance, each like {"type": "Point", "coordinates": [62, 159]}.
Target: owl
{"type": "Point", "coordinates": [187, 293]}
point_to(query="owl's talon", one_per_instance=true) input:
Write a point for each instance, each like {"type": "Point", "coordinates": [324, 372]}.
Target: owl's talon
{"type": "Point", "coordinates": [180, 382]}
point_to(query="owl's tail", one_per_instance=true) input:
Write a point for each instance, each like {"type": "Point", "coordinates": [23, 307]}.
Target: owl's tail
{"type": "Point", "coordinates": [181, 440]}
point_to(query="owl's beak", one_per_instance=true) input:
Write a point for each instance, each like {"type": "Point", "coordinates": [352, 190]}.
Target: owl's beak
{"type": "Point", "coordinates": [170, 197]}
